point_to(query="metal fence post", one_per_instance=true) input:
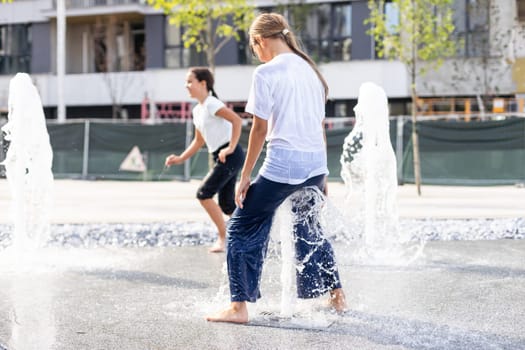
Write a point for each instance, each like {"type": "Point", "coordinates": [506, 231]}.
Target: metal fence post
{"type": "Point", "coordinates": [523, 158]}
{"type": "Point", "coordinates": [85, 156]}
{"type": "Point", "coordinates": [399, 149]}
{"type": "Point", "coordinates": [187, 163]}
{"type": "Point", "coordinates": [2, 153]}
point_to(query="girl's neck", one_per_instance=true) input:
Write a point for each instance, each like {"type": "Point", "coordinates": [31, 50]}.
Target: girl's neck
{"type": "Point", "coordinates": [202, 98]}
{"type": "Point", "coordinates": [278, 48]}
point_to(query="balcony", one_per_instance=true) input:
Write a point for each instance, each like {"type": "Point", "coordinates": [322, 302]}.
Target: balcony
{"type": "Point", "coordinates": [85, 4]}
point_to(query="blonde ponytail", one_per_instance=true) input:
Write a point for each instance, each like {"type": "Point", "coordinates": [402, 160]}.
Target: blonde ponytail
{"type": "Point", "coordinates": [273, 25]}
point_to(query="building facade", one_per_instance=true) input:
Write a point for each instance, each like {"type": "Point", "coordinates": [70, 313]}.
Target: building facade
{"type": "Point", "coordinates": [123, 53]}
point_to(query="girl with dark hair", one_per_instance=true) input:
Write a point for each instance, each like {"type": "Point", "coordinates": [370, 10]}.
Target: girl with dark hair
{"type": "Point", "coordinates": [287, 101]}
{"type": "Point", "coordinates": [219, 128]}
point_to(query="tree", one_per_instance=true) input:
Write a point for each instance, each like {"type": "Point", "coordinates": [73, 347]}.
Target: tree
{"type": "Point", "coordinates": [420, 39]}
{"type": "Point", "coordinates": [208, 24]}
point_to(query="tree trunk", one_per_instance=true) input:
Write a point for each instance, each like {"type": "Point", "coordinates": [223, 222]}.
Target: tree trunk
{"type": "Point", "coordinates": [210, 48]}
{"type": "Point", "coordinates": [415, 139]}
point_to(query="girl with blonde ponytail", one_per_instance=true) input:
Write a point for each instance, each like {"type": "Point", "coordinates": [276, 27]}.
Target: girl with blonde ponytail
{"type": "Point", "coordinates": [287, 100]}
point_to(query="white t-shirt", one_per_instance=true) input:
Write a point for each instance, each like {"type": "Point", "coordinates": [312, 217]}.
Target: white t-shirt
{"type": "Point", "coordinates": [216, 130]}
{"type": "Point", "coordinates": [287, 93]}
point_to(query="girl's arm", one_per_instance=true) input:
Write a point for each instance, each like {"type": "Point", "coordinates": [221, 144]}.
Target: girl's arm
{"type": "Point", "coordinates": [195, 145]}
{"type": "Point", "coordinates": [236, 122]}
{"type": "Point", "coordinates": [325, 189]}
{"type": "Point", "coordinates": [255, 145]}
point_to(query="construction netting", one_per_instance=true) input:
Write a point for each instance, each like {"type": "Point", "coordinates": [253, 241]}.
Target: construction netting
{"type": "Point", "coordinates": [452, 151]}
{"type": "Point", "coordinates": [485, 152]}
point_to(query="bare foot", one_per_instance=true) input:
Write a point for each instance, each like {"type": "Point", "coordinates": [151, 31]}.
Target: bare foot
{"type": "Point", "coordinates": [236, 313]}
{"type": "Point", "coordinates": [218, 247]}
{"type": "Point", "coordinates": [338, 300]}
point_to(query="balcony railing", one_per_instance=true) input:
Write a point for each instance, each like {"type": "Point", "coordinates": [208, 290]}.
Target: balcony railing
{"type": "Point", "coordinates": [79, 4]}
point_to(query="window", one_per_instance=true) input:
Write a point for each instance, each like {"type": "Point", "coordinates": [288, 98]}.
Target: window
{"type": "Point", "coordinates": [392, 18]}
{"type": "Point", "coordinates": [15, 48]}
{"type": "Point", "coordinates": [471, 19]}
{"type": "Point", "coordinates": [243, 49]}
{"type": "Point", "coordinates": [118, 45]}
{"type": "Point", "coordinates": [327, 32]}
{"type": "Point", "coordinates": [138, 46]}
{"type": "Point", "coordinates": [316, 33]}
{"type": "Point", "coordinates": [324, 30]}
{"type": "Point", "coordinates": [176, 55]}
{"type": "Point", "coordinates": [342, 32]}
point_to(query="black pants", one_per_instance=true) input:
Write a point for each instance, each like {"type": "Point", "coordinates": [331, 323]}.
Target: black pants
{"type": "Point", "coordinates": [221, 179]}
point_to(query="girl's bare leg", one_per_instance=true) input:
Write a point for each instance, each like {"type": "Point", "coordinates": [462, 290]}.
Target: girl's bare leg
{"type": "Point", "coordinates": [338, 300]}
{"type": "Point", "coordinates": [236, 313]}
{"type": "Point", "coordinates": [215, 213]}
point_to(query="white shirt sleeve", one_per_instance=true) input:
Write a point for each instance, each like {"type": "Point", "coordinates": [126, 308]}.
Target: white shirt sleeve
{"type": "Point", "coordinates": [213, 105]}
{"type": "Point", "coordinates": [260, 101]}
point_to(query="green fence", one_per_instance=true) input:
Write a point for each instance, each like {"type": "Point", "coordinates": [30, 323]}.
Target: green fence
{"type": "Point", "coordinates": [490, 152]}
{"type": "Point", "coordinates": [452, 152]}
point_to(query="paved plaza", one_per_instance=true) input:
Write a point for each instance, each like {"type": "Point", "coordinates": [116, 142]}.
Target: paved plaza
{"type": "Point", "coordinates": [457, 295]}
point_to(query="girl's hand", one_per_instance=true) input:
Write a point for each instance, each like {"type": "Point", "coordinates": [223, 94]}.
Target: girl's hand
{"type": "Point", "coordinates": [173, 159]}
{"type": "Point", "coordinates": [223, 153]}
{"type": "Point", "coordinates": [242, 189]}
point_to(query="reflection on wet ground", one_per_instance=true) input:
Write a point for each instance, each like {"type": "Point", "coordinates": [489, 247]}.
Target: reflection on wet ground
{"type": "Point", "coordinates": [457, 295]}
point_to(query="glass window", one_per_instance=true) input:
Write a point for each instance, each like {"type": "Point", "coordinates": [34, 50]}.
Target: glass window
{"type": "Point", "coordinates": [173, 35]}
{"type": "Point", "coordinates": [324, 21]}
{"type": "Point", "coordinates": [324, 30]}
{"type": "Point", "coordinates": [327, 33]}
{"type": "Point", "coordinates": [342, 20]}
{"type": "Point", "coordinates": [392, 17]}
{"type": "Point", "coordinates": [471, 21]}
{"type": "Point", "coordinates": [117, 45]}
{"type": "Point", "coordinates": [459, 8]}
{"type": "Point", "coordinates": [243, 49]}
{"type": "Point", "coordinates": [176, 55]}
{"type": "Point", "coordinates": [139, 50]}
{"type": "Point", "coordinates": [342, 33]}
{"type": "Point", "coordinates": [478, 44]}
{"type": "Point", "coordinates": [478, 15]}
{"type": "Point", "coordinates": [15, 48]}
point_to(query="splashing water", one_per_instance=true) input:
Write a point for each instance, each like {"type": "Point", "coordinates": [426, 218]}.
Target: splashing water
{"type": "Point", "coordinates": [368, 223]}
{"type": "Point", "coordinates": [370, 174]}
{"type": "Point", "coordinates": [162, 172]}
{"type": "Point", "coordinates": [302, 209]}
{"type": "Point", "coordinates": [28, 165]}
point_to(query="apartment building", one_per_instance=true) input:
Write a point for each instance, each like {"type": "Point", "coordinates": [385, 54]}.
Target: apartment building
{"type": "Point", "coordinates": [124, 53]}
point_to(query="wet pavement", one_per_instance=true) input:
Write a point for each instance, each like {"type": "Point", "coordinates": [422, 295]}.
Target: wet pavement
{"type": "Point", "coordinates": [459, 294]}
{"type": "Point", "coordinates": [77, 201]}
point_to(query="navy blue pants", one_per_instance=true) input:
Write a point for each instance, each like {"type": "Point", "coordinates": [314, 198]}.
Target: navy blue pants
{"type": "Point", "coordinates": [249, 233]}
